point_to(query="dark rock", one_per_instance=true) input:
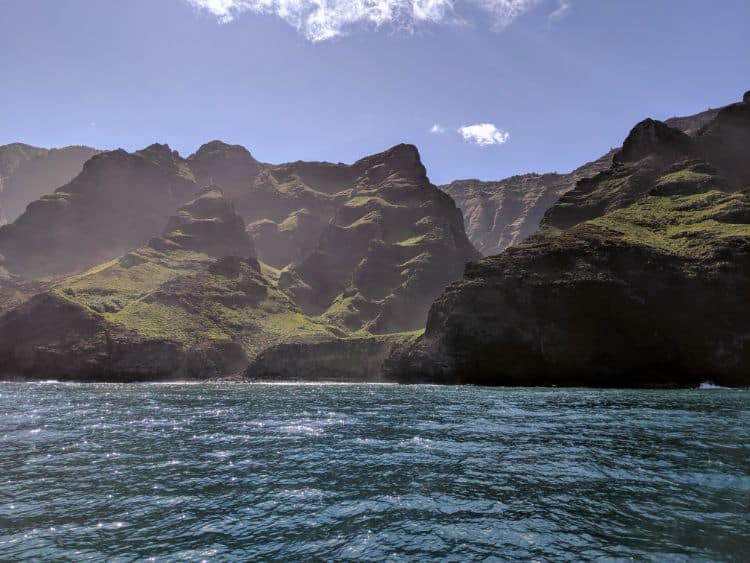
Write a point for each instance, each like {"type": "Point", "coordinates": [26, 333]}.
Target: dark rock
{"type": "Point", "coordinates": [504, 213]}
{"type": "Point", "coordinates": [638, 277]}
{"type": "Point", "coordinates": [116, 203]}
{"type": "Point", "coordinates": [349, 359]}
{"type": "Point", "coordinates": [28, 173]}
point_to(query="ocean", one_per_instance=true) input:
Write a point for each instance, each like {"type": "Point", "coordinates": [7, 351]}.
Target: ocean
{"type": "Point", "coordinates": [181, 472]}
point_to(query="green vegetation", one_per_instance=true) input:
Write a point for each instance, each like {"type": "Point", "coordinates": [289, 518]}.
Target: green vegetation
{"type": "Point", "coordinates": [181, 296]}
{"type": "Point", "coordinates": [413, 241]}
{"type": "Point", "coordinates": [684, 176]}
{"type": "Point", "coordinates": [684, 225]}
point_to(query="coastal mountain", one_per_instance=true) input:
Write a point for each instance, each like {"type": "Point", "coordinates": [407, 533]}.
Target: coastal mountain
{"type": "Point", "coordinates": [27, 173]}
{"type": "Point", "coordinates": [638, 276]}
{"type": "Point", "coordinates": [192, 303]}
{"type": "Point", "coordinates": [116, 203]}
{"type": "Point", "coordinates": [388, 250]}
{"type": "Point", "coordinates": [346, 251]}
{"type": "Point", "coordinates": [503, 213]}
{"type": "Point", "coordinates": [506, 212]}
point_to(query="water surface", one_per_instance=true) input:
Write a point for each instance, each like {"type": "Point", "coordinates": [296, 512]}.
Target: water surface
{"type": "Point", "coordinates": [299, 472]}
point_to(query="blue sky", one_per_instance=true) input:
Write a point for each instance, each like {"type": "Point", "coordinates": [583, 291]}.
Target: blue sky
{"type": "Point", "coordinates": [561, 81]}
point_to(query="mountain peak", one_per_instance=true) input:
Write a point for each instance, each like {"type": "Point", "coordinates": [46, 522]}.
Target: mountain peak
{"type": "Point", "coordinates": [402, 159]}
{"type": "Point", "coordinates": [651, 136]}
{"type": "Point", "coordinates": [159, 149]}
{"type": "Point", "coordinates": [217, 148]}
{"type": "Point", "coordinates": [207, 224]}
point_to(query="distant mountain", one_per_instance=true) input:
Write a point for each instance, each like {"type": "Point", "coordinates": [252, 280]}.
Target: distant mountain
{"type": "Point", "coordinates": [116, 203]}
{"type": "Point", "coordinates": [354, 250]}
{"type": "Point", "coordinates": [387, 252]}
{"type": "Point", "coordinates": [503, 213]}
{"type": "Point", "coordinates": [193, 303]}
{"type": "Point", "coordinates": [27, 173]}
{"type": "Point", "coordinates": [638, 276]}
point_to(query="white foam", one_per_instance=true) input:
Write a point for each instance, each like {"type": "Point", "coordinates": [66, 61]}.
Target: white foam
{"type": "Point", "coordinates": [710, 385]}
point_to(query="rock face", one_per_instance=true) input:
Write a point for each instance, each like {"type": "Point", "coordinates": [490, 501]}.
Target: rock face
{"type": "Point", "coordinates": [388, 251]}
{"type": "Point", "coordinates": [344, 250]}
{"type": "Point", "coordinates": [208, 224]}
{"type": "Point", "coordinates": [346, 359]}
{"type": "Point", "coordinates": [116, 203]}
{"type": "Point", "coordinates": [368, 246]}
{"type": "Point", "coordinates": [28, 173]}
{"type": "Point", "coordinates": [506, 212]}
{"type": "Point", "coordinates": [194, 303]}
{"type": "Point", "coordinates": [639, 276]}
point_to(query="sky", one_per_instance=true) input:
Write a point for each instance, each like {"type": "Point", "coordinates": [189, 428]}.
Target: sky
{"type": "Point", "coordinates": [484, 88]}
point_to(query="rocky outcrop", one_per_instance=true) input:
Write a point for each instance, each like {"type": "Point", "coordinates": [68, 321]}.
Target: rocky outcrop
{"type": "Point", "coordinates": [388, 251]}
{"type": "Point", "coordinates": [231, 167]}
{"type": "Point", "coordinates": [193, 304]}
{"type": "Point", "coordinates": [116, 203]}
{"type": "Point", "coordinates": [344, 359]}
{"type": "Point", "coordinates": [639, 276]}
{"type": "Point", "coordinates": [207, 224]}
{"type": "Point", "coordinates": [504, 213]}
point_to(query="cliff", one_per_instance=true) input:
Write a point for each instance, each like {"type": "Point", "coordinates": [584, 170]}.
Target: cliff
{"type": "Point", "coordinates": [346, 359]}
{"type": "Point", "coordinates": [637, 277]}
{"type": "Point", "coordinates": [388, 251]}
{"type": "Point", "coordinates": [116, 203]}
{"type": "Point", "coordinates": [503, 213]}
{"type": "Point", "coordinates": [193, 303]}
{"type": "Point", "coordinates": [355, 250]}
{"type": "Point", "coordinates": [27, 173]}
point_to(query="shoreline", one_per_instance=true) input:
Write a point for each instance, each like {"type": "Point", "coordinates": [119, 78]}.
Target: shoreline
{"type": "Point", "coordinates": [233, 380]}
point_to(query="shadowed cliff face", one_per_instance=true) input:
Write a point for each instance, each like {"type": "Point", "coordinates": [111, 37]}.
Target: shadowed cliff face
{"type": "Point", "coordinates": [388, 251]}
{"type": "Point", "coordinates": [28, 173]}
{"type": "Point", "coordinates": [118, 202]}
{"type": "Point", "coordinates": [207, 224]}
{"type": "Point", "coordinates": [194, 303]}
{"type": "Point", "coordinates": [346, 359]}
{"type": "Point", "coordinates": [504, 213]}
{"type": "Point", "coordinates": [362, 248]}
{"type": "Point", "coordinates": [639, 276]}
{"type": "Point", "coordinates": [367, 245]}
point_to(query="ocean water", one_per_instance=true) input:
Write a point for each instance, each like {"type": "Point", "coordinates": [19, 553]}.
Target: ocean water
{"type": "Point", "coordinates": [372, 472]}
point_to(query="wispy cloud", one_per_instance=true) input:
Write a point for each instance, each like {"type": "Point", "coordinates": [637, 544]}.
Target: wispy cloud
{"type": "Point", "coordinates": [563, 7]}
{"type": "Point", "coordinates": [437, 129]}
{"type": "Point", "coordinates": [319, 20]}
{"type": "Point", "coordinates": [484, 134]}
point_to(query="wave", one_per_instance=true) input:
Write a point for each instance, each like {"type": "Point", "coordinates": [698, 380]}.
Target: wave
{"type": "Point", "coordinates": [710, 385]}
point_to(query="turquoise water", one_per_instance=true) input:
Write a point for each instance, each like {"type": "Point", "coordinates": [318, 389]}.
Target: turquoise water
{"type": "Point", "coordinates": [300, 472]}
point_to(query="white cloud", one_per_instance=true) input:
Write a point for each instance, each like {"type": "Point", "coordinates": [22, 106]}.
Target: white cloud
{"type": "Point", "coordinates": [504, 12]}
{"type": "Point", "coordinates": [484, 134]}
{"type": "Point", "coordinates": [437, 129]}
{"type": "Point", "coordinates": [319, 20]}
{"type": "Point", "coordinates": [563, 7]}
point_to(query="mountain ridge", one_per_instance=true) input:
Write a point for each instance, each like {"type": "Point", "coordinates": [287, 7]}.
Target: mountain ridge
{"type": "Point", "coordinates": [503, 213]}
{"type": "Point", "coordinates": [125, 299]}
{"type": "Point", "coordinates": [28, 172]}
{"type": "Point", "coordinates": [636, 277]}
